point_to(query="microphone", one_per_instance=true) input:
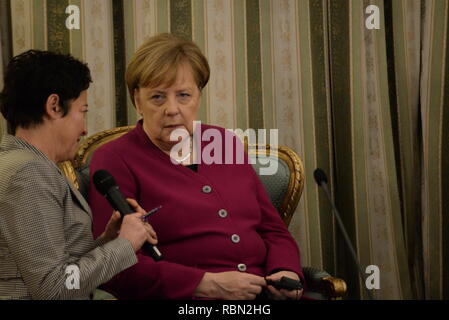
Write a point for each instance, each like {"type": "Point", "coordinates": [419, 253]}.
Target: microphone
{"type": "Point", "coordinates": [105, 184]}
{"type": "Point", "coordinates": [321, 180]}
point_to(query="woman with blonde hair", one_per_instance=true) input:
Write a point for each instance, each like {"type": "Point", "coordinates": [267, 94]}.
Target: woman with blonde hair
{"type": "Point", "coordinates": [219, 233]}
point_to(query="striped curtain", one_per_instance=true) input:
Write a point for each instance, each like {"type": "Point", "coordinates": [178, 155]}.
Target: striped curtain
{"type": "Point", "coordinates": [434, 112]}
{"type": "Point", "coordinates": [2, 120]}
{"type": "Point", "coordinates": [370, 107]}
{"type": "Point", "coordinates": [5, 49]}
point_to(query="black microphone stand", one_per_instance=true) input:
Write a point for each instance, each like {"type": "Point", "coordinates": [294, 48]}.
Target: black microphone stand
{"type": "Point", "coordinates": [321, 179]}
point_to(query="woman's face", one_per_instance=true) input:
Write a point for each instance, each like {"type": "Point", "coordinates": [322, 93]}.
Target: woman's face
{"type": "Point", "coordinates": [165, 109]}
{"type": "Point", "coordinates": [72, 127]}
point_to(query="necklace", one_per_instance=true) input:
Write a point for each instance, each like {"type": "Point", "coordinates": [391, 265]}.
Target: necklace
{"type": "Point", "coordinates": [181, 160]}
{"type": "Point", "coordinates": [187, 156]}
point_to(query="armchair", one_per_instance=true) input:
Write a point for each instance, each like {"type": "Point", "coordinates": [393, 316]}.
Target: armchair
{"type": "Point", "coordinates": [284, 189]}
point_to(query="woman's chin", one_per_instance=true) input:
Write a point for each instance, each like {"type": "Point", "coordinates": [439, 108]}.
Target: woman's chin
{"type": "Point", "coordinates": [181, 130]}
{"type": "Point", "coordinates": [175, 134]}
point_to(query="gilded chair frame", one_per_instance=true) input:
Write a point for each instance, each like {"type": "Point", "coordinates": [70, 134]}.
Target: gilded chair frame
{"type": "Point", "coordinates": [87, 147]}
{"type": "Point", "coordinates": [335, 288]}
{"type": "Point", "coordinates": [296, 182]}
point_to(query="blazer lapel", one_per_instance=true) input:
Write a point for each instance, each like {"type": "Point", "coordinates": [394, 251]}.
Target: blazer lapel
{"type": "Point", "coordinates": [80, 198]}
{"type": "Point", "coordinates": [9, 142]}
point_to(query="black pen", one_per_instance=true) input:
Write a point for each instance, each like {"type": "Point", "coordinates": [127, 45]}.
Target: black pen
{"type": "Point", "coordinates": [149, 213]}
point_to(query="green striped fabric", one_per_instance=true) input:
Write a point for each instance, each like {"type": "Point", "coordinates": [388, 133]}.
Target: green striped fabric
{"type": "Point", "coordinates": [434, 106]}
{"type": "Point", "coordinates": [181, 18]}
{"type": "Point", "coordinates": [121, 112]}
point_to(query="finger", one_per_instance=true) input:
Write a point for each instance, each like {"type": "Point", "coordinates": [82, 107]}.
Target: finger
{"type": "Point", "coordinates": [257, 280]}
{"type": "Point", "coordinates": [132, 202]}
{"type": "Point", "coordinates": [115, 216]}
{"type": "Point", "coordinates": [115, 220]}
{"type": "Point", "coordinates": [137, 215]}
{"type": "Point", "coordinates": [151, 240]}
{"type": "Point", "coordinates": [296, 294]}
{"type": "Point", "coordinates": [151, 233]}
{"type": "Point", "coordinates": [275, 294]}
{"type": "Point", "coordinates": [273, 277]}
{"type": "Point", "coordinates": [270, 277]}
{"type": "Point", "coordinates": [135, 205]}
{"type": "Point", "coordinates": [150, 229]}
{"type": "Point", "coordinates": [280, 274]}
{"type": "Point", "coordinates": [255, 289]}
{"type": "Point", "coordinates": [289, 294]}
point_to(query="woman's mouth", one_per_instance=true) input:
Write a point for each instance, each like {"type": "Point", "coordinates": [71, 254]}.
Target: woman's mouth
{"type": "Point", "coordinates": [173, 126]}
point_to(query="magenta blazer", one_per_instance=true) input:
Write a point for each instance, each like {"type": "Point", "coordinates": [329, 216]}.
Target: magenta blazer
{"type": "Point", "coordinates": [217, 219]}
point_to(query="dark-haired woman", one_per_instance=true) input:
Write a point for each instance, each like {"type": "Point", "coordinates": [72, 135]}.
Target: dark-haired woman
{"type": "Point", "coordinates": [47, 249]}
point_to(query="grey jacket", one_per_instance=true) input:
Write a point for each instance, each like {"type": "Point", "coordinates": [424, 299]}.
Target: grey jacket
{"type": "Point", "coordinates": [45, 231]}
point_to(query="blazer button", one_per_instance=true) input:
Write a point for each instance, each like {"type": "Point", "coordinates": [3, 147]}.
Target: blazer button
{"type": "Point", "coordinates": [242, 267]}
{"type": "Point", "coordinates": [222, 213]}
{"type": "Point", "coordinates": [207, 189]}
{"type": "Point", "coordinates": [235, 238]}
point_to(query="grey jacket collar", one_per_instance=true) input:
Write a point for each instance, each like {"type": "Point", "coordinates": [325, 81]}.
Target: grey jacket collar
{"type": "Point", "coordinates": [10, 142]}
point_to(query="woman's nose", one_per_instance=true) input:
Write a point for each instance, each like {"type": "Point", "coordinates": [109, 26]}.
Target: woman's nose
{"type": "Point", "coordinates": [84, 133]}
{"type": "Point", "coordinates": [171, 108]}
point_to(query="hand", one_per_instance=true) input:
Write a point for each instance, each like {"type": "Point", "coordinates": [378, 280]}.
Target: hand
{"type": "Point", "coordinates": [112, 228]}
{"type": "Point", "coordinates": [135, 230]}
{"type": "Point", "coordinates": [230, 285]}
{"type": "Point", "coordinates": [283, 294]}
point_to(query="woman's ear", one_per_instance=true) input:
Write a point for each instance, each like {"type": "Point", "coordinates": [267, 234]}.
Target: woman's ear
{"type": "Point", "coordinates": [52, 106]}
{"type": "Point", "coordinates": [137, 101]}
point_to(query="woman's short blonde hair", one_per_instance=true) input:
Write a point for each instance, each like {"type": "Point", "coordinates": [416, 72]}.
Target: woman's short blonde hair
{"type": "Point", "coordinates": [156, 62]}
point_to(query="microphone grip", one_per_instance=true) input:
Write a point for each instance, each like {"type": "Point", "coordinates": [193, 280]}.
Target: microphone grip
{"type": "Point", "coordinates": [153, 251]}
{"type": "Point", "coordinates": [119, 203]}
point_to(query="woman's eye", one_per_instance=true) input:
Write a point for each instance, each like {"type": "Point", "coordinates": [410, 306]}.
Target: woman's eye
{"type": "Point", "coordinates": [184, 95]}
{"type": "Point", "coordinates": [157, 98]}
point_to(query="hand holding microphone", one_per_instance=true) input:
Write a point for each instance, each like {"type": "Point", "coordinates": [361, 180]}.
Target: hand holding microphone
{"type": "Point", "coordinates": [130, 228]}
{"type": "Point", "coordinates": [105, 184]}
{"type": "Point", "coordinates": [134, 230]}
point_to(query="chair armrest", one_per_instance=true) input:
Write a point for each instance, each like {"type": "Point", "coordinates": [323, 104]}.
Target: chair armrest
{"type": "Point", "coordinates": [321, 285]}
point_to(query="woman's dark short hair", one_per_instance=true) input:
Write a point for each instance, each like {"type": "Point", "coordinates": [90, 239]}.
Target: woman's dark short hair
{"type": "Point", "coordinates": [34, 75]}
